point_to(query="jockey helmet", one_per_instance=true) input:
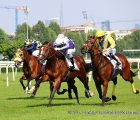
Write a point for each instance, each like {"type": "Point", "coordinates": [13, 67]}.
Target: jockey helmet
{"type": "Point", "coordinates": [60, 36]}
{"type": "Point", "coordinates": [100, 33]}
{"type": "Point", "coordinates": [59, 41]}
{"type": "Point", "coordinates": [28, 42]}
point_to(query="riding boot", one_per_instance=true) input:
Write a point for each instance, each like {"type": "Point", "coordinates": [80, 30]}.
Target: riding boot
{"type": "Point", "coordinates": [72, 67]}
{"type": "Point", "coordinates": [112, 56]}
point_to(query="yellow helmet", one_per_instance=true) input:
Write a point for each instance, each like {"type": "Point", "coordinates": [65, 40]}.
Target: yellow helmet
{"type": "Point", "coordinates": [100, 33]}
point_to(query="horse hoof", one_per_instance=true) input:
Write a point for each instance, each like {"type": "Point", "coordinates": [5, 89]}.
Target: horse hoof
{"type": "Point", "coordinates": [137, 92]}
{"type": "Point", "coordinates": [91, 93]}
{"type": "Point", "coordinates": [86, 94]}
{"type": "Point", "coordinates": [27, 92]}
{"type": "Point", "coordinates": [114, 97]}
{"type": "Point", "coordinates": [65, 90]}
{"type": "Point", "coordinates": [32, 96]}
{"type": "Point", "coordinates": [70, 97]}
{"type": "Point", "coordinates": [48, 105]}
{"type": "Point", "coordinates": [107, 99]}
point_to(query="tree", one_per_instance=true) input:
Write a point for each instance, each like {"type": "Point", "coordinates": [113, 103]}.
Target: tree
{"type": "Point", "coordinates": [40, 32]}
{"type": "Point", "coordinates": [113, 35]}
{"type": "Point", "coordinates": [55, 27]}
{"type": "Point", "coordinates": [22, 29]}
{"type": "Point", "coordinates": [3, 36]}
{"type": "Point", "coordinates": [77, 40]}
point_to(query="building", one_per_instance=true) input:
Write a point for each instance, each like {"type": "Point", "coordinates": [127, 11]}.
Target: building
{"type": "Point", "coordinates": [120, 33]}
{"type": "Point", "coordinates": [105, 25]}
{"type": "Point", "coordinates": [137, 26]}
{"type": "Point", "coordinates": [77, 29]}
{"type": "Point", "coordinates": [48, 21]}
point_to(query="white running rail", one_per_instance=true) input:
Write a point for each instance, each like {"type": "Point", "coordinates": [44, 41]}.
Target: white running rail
{"type": "Point", "coordinates": [10, 64]}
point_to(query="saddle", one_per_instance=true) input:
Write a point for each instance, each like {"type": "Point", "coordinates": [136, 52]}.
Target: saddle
{"type": "Point", "coordinates": [114, 62]}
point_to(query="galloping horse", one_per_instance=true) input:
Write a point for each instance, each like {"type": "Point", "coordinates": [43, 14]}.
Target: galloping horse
{"type": "Point", "coordinates": [32, 70]}
{"type": "Point", "coordinates": [31, 67]}
{"type": "Point", "coordinates": [103, 69]}
{"type": "Point", "coordinates": [57, 70]}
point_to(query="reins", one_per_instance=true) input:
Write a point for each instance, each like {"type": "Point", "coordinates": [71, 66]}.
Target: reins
{"type": "Point", "coordinates": [45, 56]}
{"type": "Point", "coordinates": [93, 54]}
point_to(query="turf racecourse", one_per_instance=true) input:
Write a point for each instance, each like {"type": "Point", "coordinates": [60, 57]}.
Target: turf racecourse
{"type": "Point", "coordinates": [16, 105]}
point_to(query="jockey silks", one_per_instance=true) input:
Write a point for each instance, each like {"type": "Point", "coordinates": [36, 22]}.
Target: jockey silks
{"type": "Point", "coordinates": [107, 42]}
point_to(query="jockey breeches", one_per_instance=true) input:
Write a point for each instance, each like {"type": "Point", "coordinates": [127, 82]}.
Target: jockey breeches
{"type": "Point", "coordinates": [113, 51]}
{"type": "Point", "coordinates": [70, 53]}
{"type": "Point", "coordinates": [35, 53]}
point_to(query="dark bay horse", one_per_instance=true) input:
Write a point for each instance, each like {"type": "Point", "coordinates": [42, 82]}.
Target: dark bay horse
{"type": "Point", "coordinates": [103, 69]}
{"type": "Point", "coordinates": [32, 70]}
{"type": "Point", "coordinates": [57, 70]}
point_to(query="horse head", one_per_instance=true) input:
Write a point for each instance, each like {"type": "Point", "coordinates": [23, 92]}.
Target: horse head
{"type": "Point", "coordinates": [18, 57]}
{"type": "Point", "coordinates": [90, 45]}
{"type": "Point", "coordinates": [46, 52]}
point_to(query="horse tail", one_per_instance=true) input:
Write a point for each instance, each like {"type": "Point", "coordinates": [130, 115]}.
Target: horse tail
{"type": "Point", "coordinates": [88, 67]}
{"type": "Point", "coordinates": [134, 73]}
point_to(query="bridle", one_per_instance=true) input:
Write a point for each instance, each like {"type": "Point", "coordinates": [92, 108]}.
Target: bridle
{"type": "Point", "coordinates": [90, 47]}
{"type": "Point", "coordinates": [94, 54]}
{"type": "Point", "coordinates": [45, 56]}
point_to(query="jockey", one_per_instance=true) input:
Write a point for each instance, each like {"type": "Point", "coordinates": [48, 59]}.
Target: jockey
{"type": "Point", "coordinates": [32, 47]}
{"type": "Point", "coordinates": [108, 44]}
{"type": "Point", "coordinates": [66, 46]}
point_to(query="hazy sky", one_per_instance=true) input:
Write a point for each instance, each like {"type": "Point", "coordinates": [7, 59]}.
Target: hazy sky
{"type": "Point", "coordinates": [97, 10]}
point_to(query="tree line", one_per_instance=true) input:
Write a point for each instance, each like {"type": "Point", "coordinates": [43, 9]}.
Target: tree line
{"type": "Point", "coordinates": [42, 33]}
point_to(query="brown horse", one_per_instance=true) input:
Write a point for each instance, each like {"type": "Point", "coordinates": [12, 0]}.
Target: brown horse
{"type": "Point", "coordinates": [103, 69]}
{"type": "Point", "coordinates": [57, 70]}
{"type": "Point", "coordinates": [32, 70]}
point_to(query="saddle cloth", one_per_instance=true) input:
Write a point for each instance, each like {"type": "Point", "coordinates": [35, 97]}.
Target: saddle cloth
{"type": "Point", "coordinates": [69, 64]}
{"type": "Point", "coordinates": [114, 62]}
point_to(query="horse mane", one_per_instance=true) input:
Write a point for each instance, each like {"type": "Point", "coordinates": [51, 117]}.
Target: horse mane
{"type": "Point", "coordinates": [47, 42]}
{"type": "Point", "coordinates": [91, 37]}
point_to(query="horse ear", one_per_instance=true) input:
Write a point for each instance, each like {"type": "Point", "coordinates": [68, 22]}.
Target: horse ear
{"type": "Point", "coordinates": [43, 43]}
{"type": "Point", "coordinates": [89, 36]}
{"type": "Point", "coordinates": [93, 36]}
{"type": "Point", "coordinates": [49, 43]}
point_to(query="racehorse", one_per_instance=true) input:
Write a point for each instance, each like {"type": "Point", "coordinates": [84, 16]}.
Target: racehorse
{"type": "Point", "coordinates": [57, 70]}
{"type": "Point", "coordinates": [31, 70]}
{"type": "Point", "coordinates": [103, 69]}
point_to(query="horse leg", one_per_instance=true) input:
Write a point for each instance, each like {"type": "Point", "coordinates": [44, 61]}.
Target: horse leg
{"type": "Point", "coordinates": [51, 86]}
{"type": "Point", "coordinates": [85, 81]}
{"type": "Point", "coordinates": [27, 89]}
{"type": "Point", "coordinates": [71, 85]}
{"type": "Point", "coordinates": [34, 89]}
{"type": "Point", "coordinates": [129, 77]}
{"type": "Point", "coordinates": [114, 86]}
{"type": "Point", "coordinates": [56, 86]}
{"type": "Point", "coordinates": [62, 92]}
{"type": "Point", "coordinates": [99, 89]}
{"type": "Point", "coordinates": [105, 87]}
{"type": "Point", "coordinates": [69, 91]}
{"type": "Point", "coordinates": [21, 82]}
